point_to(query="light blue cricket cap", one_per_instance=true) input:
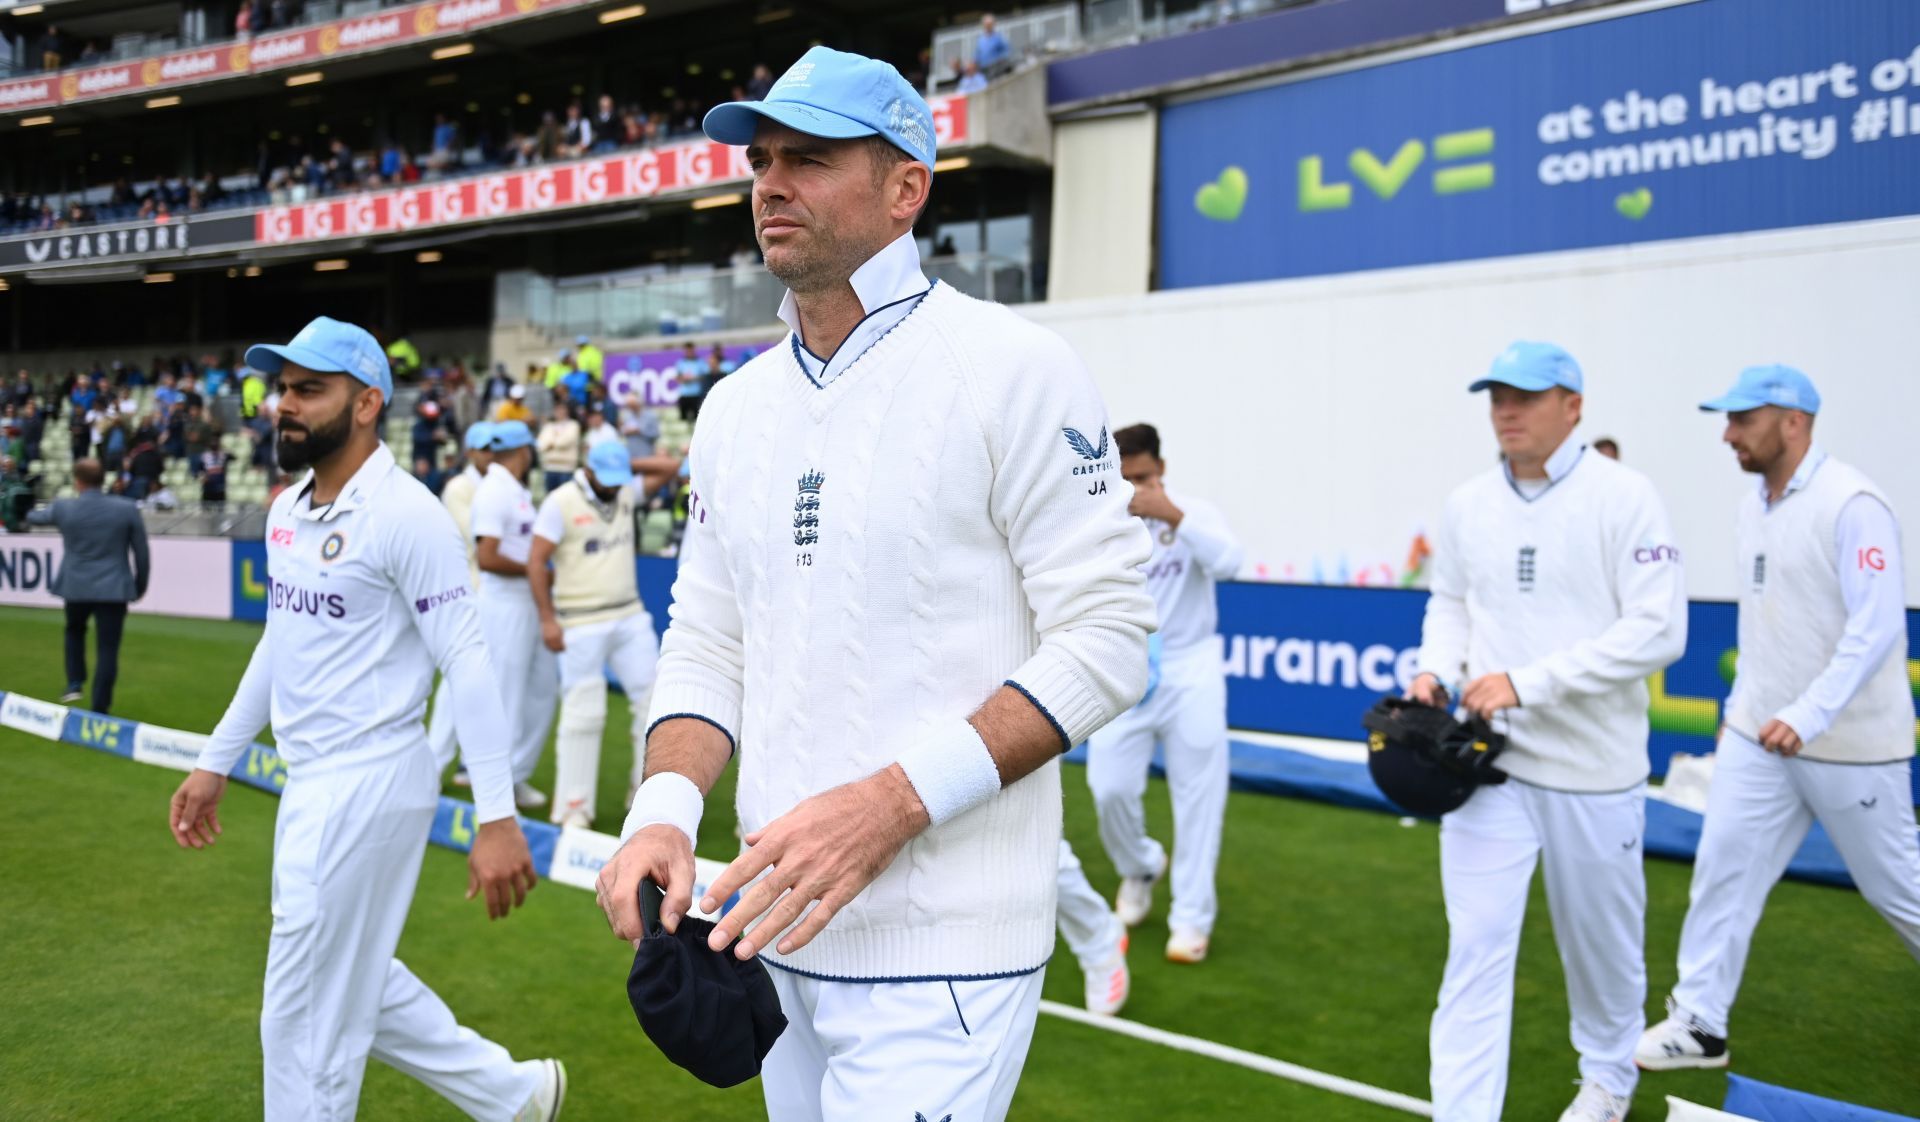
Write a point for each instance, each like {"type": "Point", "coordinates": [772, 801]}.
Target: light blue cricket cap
{"type": "Point", "coordinates": [1767, 385]}
{"type": "Point", "coordinates": [330, 347]}
{"type": "Point", "coordinates": [1532, 366]}
{"type": "Point", "coordinates": [478, 433]}
{"type": "Point", "coordinates": [837, 96]}
{"type": "Point", "coordinates": [508, 435]}
{"type": "Point", "coordinates": [609, 463]}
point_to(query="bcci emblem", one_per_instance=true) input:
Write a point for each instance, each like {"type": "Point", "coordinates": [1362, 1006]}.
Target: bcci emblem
{"type": "Point", "coordinates": [806, 509]}
{"type": "Point", "coordinates": [330, 549]}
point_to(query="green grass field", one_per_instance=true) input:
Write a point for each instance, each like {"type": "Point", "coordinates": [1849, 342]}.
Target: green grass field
{"type": "Point", "coordinates": [131, 969]}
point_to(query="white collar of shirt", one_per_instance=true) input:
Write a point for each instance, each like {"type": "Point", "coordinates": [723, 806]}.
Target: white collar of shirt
{"type": "Point", "coordinates": [471, 472]}
{"type": "Point", "coordinates": [1558, 465]}
{"type": "Point", "coordinates": [353, 496]}
{"type": "Point", "coordinates": [1809, 464]}
{"type": "Point", "coordinates": [889, 286]}
{"type": "Point", "coordinates": [494, 469]}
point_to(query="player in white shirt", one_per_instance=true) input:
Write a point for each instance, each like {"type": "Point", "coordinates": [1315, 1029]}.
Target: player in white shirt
{"type": "Point", "coordinates": [1193, 547]}
{"type": "Point", "coordinates": [1820, 722]}
{"type": "Point", "coordinates": [503, 539]}
{"type": "Point", "coordinates": [457, 497]}
{"type": "Point", "coordinates": [591, 615]}
{"type": "Point", "coordinates": [367, 594]}
{"type": "Point", "coordinates": [1556, 591]}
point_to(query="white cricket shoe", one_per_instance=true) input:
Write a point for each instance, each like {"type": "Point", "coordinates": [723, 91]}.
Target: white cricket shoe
{"type": "Point", "coordinates": [1135, 898]}
{"type": "Point", "coordinates": [575, 820]}
{"type": "Point", "coordinates": [1678, 1042]}
{"type": "Point", "coordinates": [1595, 1103]}
{"type": "Point", "coordinates": [548, 1097]}
{"type": "Point", "coordinates": [527, 797]}
{"type": "Point", "coordinates": [462, 779]}
{"type": "Point", "coordinates": [1186, 945]}
{"type": "Point", "coordinates": [1109, 983]}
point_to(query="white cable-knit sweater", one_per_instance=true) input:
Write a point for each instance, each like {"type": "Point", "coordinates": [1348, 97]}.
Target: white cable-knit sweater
{"type": "Point", "coordinates": [867, 562]}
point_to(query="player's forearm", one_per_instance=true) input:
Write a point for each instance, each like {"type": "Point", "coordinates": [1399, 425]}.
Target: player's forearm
{"type": "Point", "coordinates": [479, 724]}
{"type": "Point", "coordinates": [488, 557]}
{"type": "Point", "coordinates": [246, 715]}
{"type": "Point", "coordinates": [684, 759]}
{"type": "Point", "coordinates": [540, 583]}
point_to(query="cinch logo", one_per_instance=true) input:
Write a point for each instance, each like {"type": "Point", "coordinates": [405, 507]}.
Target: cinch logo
{"type": "Point", "coordinates": [1386, 180]}
{"type": "Point", "coordinates": [428, 603]}
{"type": "Point", "coordinates": [283, 597]}
{"type": "Point", "coordinates": [1650, 554]}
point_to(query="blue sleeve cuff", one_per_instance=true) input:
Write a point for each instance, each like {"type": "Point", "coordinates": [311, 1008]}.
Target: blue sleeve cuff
{"type": "Point", "coordinates": [1066, 744]}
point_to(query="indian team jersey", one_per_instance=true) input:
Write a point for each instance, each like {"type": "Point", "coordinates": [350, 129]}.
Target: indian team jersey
{"type": "Point", "coordinates": [1185, 566]}
{"type": "Point", "coordinates": [593, 557]}
{"type": "Point", "coordinates": [503, 509]}
{"type": "Point", "coordinates": [359, 593]}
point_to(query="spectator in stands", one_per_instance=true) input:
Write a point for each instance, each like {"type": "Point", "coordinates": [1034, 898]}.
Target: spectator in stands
{"type": "Point", "coordinates": [606, 125]}
{"type": "Point", "coordinates": [113, 442]}
{"type": "Point", "coordinates": [105, 566]}
{"type": "Point", "coordinates": [691, 378]}
{"type": "Point", "coordinates": [717, 365]}
{"type": "Point", "coordinates": [761, 83]}
{"type": "Point", "coordinates": [22, 391]}
{"type": "Point", "coordinates": [53, 49]}
{"type": "Point", "coordinates": [215, 374]}
{"type": "Point", "coordinates": [213, 475]}
{"type": "Point", "coordinates": [260, 431]}
{"type": "Point", "coordinates": [495, 390]}
{"type": "Point", "coordinates": [991, 51]}
{"type": "Point", "coordinates": [16, 495]}
{"type": "Point", "coordinates": [429, 425]}
{"type": "Point", "coordinates": [559, 445]}
{"type": "Point", "coordinates": [971, 79]}
{"type": "Point", "coordinates": [458, 396]}
{"type": "Point", "coordinates": [253, 391]}
{"type": "Point", "coordinates": [33, 429]}
{"type": "Point", "coordinates": [549, 143]}
{"type": "Point", "coordinates": [514, 408]}
{"type": "Point", "coordinates": [201, 435]}
{"type": "Point", "coordinates": [576, 134]}
{"type": "Point", "coordinates": [446, 145]}
{"type": "Point", "coordinates": [404, 358]}
{"type": "Point", "coordinates": [591, 358]}
{"type": "Point", "coordinates": [599, 431]}
{"type": "Point", "coordinates": [143, 462]}
{"type": "Point", "coordinates": [640, 426]}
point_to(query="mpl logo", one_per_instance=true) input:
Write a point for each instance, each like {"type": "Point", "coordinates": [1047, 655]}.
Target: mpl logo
{"type": "Point", "coordinates": [1316, 193]}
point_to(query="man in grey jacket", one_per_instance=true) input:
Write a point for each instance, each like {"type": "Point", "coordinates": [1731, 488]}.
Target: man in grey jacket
{"type": "Point", "coordinates": [104, 566]}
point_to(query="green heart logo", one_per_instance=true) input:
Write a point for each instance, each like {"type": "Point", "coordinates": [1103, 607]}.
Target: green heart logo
{"type": "Point", "coordinates": [1635, 204]}
{"type": "Point", "coordinates": [1224, 198]}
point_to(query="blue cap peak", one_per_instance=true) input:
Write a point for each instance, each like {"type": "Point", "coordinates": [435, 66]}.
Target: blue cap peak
{"type": "Point", "coordinates": [1533, 366]}
{"type": "Point", "coordinates": [1767, 385]}
{"type": "Point", "coordinates": [838, 96]}
{"type": "Point", "coordinates": [329, 346]}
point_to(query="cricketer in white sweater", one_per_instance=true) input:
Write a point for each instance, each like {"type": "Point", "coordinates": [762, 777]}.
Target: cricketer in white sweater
{"type": "Point", "coordinates": [868, 560]}
{"type": "Point", "coordinates": [1577, 594]}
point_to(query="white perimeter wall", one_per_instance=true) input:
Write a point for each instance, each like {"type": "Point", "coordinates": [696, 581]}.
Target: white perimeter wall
{"type": "Point", "coordinates": [1330, 417]}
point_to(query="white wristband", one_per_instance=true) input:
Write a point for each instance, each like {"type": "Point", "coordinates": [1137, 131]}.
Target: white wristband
{"type": "Point", "coordinates": [668, 798]}
{"type": "Point", "coordinates": [952, 772]}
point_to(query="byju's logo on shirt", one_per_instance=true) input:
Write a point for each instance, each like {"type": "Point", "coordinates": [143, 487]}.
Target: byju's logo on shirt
{"type": "Point", "coordinates": [283, 597]}
{"type": "Point", "coordinates": [1525, 568]}
{"type": "Point", "coordinates": [428, 603]}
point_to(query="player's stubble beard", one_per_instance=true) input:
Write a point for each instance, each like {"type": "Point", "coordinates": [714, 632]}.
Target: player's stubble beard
{"type": "Point", "coordinates": [825, 261]}
{"type": "Point", "coordinates": [320, 442]}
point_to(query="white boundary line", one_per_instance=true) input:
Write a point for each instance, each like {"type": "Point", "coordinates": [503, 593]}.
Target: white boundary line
{"type": "Point", "coordinates": [1393, 1100]}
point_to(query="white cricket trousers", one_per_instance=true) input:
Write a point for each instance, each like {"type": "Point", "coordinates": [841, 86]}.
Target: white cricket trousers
{"type": "Point", "coordinates": [1187, 715]}
{"type": "Point", "coordinates": [528, 674]}
{"type": "Point", "coordinates": [1092, 931]}
{"type": "Point", "coordinates": [854, 1051]}
{"type": "Point", "coordinates": [347, 848]}
{"type": "Point", "coordinates": [1590, 846]}
{"type": "Point", "coordinates": [1759, 810]}
{"type": "Point", "coordinates": [629, 645]}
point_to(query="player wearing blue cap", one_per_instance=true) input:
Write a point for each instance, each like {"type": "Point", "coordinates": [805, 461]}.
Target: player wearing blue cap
{"type": "Point", "coordinates": [1556, 591]}
{"type": "Point", "coordinates": [948, 597]}
{"type": "Point", "coordinates": [591, 615]}
{"type": "Point", "coordinates": [457, 497]}
{"type": "Point", "coordinates": [367, 594]}
{"type": "Point", "coordinates": [1820, 721]}
{"type": "Point", "coordinates": [503, 540]}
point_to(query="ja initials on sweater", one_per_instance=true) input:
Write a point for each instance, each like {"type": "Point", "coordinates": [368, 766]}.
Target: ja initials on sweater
{"type": "Point", "coordinates": [867, 562]}
{"type": "Point", "coordinates": [1576, 594]}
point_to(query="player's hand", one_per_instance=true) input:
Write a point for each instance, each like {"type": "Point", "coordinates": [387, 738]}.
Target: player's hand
{"type": "Point", "coordinates": [500, 866]}
{"type": "Point", "coordinates": [1778, 736]}
{"type": "Point", "coordinates": [1150, 501]}
{"type": "Point", "coordinates": [661, 852]}
{"type": "Point", "coordinates": [828, 848]}
{"type": "Point", "coordinates": [195, 816]}
{"type": "Point", "coordinates": [552, 635]}
{"type": "Point", "coordinates": [1427, 690]}
{"type": "Point", "coordinates": [1488, 694]}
